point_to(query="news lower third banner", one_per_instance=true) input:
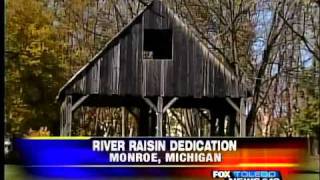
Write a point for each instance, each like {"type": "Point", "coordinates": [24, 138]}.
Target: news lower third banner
{"type": "Point", "coordinates": [205, 158]}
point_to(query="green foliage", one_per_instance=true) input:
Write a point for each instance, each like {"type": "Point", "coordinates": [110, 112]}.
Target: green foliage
{"type": "Point", "coordinates": [307, 119]}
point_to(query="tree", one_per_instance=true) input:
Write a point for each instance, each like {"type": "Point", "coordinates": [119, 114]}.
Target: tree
{"type": "Point", "coordinates": [32, 59]}
{"type": "Point", "coordinates": [307, 117]}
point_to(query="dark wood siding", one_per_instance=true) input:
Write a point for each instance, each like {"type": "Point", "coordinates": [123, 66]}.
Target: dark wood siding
{"type": "Point", "coordinates": [121, 70]}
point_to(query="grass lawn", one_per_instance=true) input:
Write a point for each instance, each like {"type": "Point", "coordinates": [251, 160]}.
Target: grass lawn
{"type": "Point", "coordinates": [312, 164]}
{"type": "Point", "coordinates": [14, 172]}
{"type": "Point", "coordinates": [307, 177]}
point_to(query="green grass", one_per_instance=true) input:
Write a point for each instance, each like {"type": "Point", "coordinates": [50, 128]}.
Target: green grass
{"type": "Point", "coordinates": [307, 177]}
{"type": "Point", "coordinates": [311, 164]}
{"type": "Point", "coordinates": [14, 172]}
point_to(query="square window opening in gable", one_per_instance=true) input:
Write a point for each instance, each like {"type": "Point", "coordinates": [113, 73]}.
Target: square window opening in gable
{"type": "Point", "coordinates": [157, 44]}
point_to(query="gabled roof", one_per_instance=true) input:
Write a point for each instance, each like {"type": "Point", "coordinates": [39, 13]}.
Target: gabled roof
{"type": "Point", "coordinates": [194, 34]}
{"type": "Point", "coordinates": [96, 57]}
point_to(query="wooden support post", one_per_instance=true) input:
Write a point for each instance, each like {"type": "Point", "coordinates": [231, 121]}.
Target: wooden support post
{"type": "Point", "coordinates": [241, 112]}
{"type": "Point", "coordinates": [62, 117]}
{"type": "Point", "coordinates": [68, 116]}
{"type": "Point", "coordinates": [159, 114]}
{"type": "Point", "coordinates": [242, 118]}
{"type": "Point", "coordinates": [159, 110]}
{"type": "Point", "coordinates": [66, 110]}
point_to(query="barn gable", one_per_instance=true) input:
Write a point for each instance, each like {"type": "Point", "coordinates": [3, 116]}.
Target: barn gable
{"type": "Point", "coordinates": [156, 54]}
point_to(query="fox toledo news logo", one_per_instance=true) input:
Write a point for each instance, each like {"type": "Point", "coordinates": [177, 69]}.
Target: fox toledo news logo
{"type": "Point", "coordinates": [246, 175]}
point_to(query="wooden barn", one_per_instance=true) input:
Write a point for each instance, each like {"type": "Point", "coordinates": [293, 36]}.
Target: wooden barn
{"type": "Point", "coordinates": [157, 62]}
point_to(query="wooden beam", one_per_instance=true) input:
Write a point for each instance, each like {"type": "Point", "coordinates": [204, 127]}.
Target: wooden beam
{"type": "Point", "coordinates": [234, 105]}
{"type": "Point", "coordinates": [150, 103]}
{"type": "Point", "coordinates": [170, 103]}
{"type": "Point", "coordinates": [79, 102]}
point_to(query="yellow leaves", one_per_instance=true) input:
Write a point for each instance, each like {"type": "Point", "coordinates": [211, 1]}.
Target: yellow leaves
{"type": "Point", "coordinates": [18, 116]}
{"type": "Point", "coordinates": [42, 32]}
{"type": "Point", "coordinates": [36, 43]}
{"type": "Point", "coordinates": [26, 11]}
{"type": "Point", "coordinates": [34, 62]}
{"type": "Point", "coordinates": [43, 131]}
{"type": "Point", "coordinates": [29, 26]}
{"type": "Point", "coordinates": [34, 50]}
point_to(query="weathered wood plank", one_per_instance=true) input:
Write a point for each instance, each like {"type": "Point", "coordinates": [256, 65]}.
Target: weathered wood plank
{"type": "Point", "coordinates": [123, 66]}
{"type": "Point", "coordinates": [192, 72]}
